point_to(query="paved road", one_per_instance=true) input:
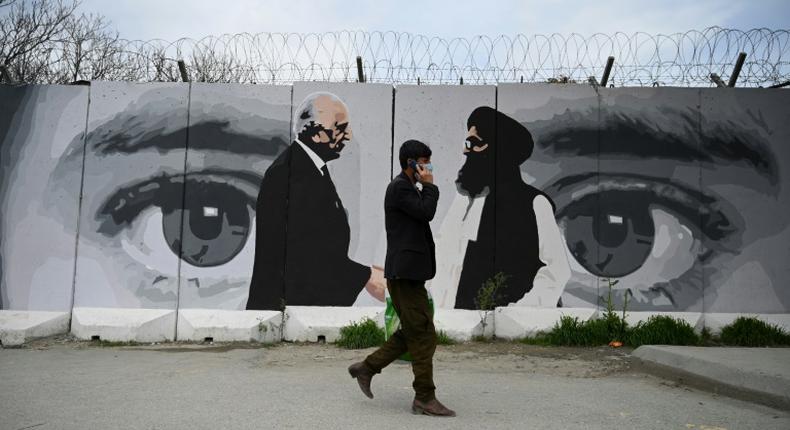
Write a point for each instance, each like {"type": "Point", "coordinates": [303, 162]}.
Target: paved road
{"type": "Point", "coordinates": [77, 386]}
{"type": "Point", "coordinates": [761, 374]}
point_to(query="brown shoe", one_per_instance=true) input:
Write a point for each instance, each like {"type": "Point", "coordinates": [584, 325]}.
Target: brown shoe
{"type": "Point", "coordinates": [363, 375]}
{"type": "Point", "coordinates": [433, 407]}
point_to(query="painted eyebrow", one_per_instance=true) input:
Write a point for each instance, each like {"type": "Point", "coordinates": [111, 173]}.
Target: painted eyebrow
{"type": "Point", "coordinates": [574, 133]}
{"type": "Point", "coordinates": [126, 134]}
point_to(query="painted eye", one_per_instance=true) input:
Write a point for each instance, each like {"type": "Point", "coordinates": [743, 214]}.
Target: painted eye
{"type": "Point", "coordinates": [615, 241]}
{"type": "Point", "coordinates": [217, 220]}
{"type": "Point", "coordinates": [216, 224]}
{"type": "Point", "coordinates": [649, 235]}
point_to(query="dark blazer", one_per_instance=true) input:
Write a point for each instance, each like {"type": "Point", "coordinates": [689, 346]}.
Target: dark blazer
{"type": "Point", "coordinates": [411, 253]}
{"type": "Point", "coordinates": [302, 238]}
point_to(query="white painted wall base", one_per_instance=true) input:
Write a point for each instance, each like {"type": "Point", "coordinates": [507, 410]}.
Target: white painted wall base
{"type": "Point", "coordinates": [124, 325]}
{"type": "Point", "coordinates": [693, 318]}
{"type": "Point", "coordinates": [306, 323]}
{"type": "Point", "coordinates": [515, 322]}
{"type": "Point", "coordinates": [18, 327]}
{"type": "Point", "coordinates": [463, 325]}
{"type": "Point", "coordinates": [228, 326]}
{"type": "Point", "coordinates": [715, 321]}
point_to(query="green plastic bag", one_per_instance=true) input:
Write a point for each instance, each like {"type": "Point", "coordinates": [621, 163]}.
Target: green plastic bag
{"type": "Point", "coordinates": [392, 320]}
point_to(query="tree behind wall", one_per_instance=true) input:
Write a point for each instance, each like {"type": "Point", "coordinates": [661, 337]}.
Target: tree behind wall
{"type": "Point", "coordinates": [34, 34]}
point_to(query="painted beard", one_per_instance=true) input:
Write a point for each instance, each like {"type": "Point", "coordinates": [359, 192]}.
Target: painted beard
{"type": "Point", "coordinates": [474, 178]}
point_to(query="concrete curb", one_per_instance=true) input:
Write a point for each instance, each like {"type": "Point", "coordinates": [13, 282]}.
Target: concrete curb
{"type": "Point", "coordinates": [124, 325]}
{"type": "Point", "coordinates": [311, 323]}
{"type": "Point", "coordinates": [18, 327]}
{"type": "Point", "coordinates": [228, 326]}
{"type": "Point", "coordinates": [463, 325]}
{"type": "Point", "coordinates": [760, 375]}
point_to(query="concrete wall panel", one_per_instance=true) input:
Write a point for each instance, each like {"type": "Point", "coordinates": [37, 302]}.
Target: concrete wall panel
{"type": "Point", "coordinates": [130, 225]}
{"type": "Point", "coordinates": [41, 139]}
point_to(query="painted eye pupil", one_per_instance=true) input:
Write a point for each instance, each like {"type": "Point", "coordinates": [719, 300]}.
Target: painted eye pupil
{"type": "Point", "coordinates": [216, 224]}
{"type": "Point", "coordinates": [612, 241]}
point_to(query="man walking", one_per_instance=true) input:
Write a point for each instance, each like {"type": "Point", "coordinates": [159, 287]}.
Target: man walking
{"type": "Point", "coordinates": [410, 261]}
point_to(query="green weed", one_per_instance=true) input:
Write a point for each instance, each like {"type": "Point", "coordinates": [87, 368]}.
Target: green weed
{"type": "Point", "coordinates": [753, 332]}
{"type": "Point", "coordinates": [662, 330]}
{"type": "Point", "coordinates": [443, 339]}
{"type": "Point", "coordinates": [358, 335]}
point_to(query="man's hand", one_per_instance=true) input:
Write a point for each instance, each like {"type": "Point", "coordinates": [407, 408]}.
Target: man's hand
{"type": "Point", "coordinates": [376, 285]}
{"type": "Point", "coordinates": [424, 175]}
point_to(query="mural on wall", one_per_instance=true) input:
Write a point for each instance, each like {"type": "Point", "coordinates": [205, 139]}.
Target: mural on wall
{"type": "Point", "coordinates": [445, 131]}
{"type": "Point", "coordinates": [514, 219]}
{"type": "Point", "coordinates": [304, 237]}
{"type": "Point", "coordinates": [301, 220]}
{"type": "Point", "coordinates": [133, 191]}
{"type": "Point", "coordinates": [651, 189]}
{"type": "Point", "coordinates": [40, 175]}
{"type": "Point", "coordinates": [235, 133]}
{"type": "Point", "coordinates": [744, 185]}
{"type": "Point", "coordinates": [247, 197]}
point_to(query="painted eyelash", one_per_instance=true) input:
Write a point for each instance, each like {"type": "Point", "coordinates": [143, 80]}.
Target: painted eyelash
{"type": "Point", "coordinates": [697, 208]}
{"type": "Point", "coordinates": [164, 191]}
{"type": "Point", "coordinates": [124, 205]}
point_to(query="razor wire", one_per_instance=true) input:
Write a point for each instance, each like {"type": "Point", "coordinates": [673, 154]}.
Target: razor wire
{"type": "Point", "coordinates": [684, 59]}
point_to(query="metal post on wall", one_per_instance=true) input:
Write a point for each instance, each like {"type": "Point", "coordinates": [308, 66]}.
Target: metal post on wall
{"type": "Point", "coordinates": [360, 75]}
{"type": "Point", "coordinates": [717, 80]}
{"type": "Point", "coordinates": [5, 76]}
{"type": "Point", "coordinates": [462, 80]}
{"type": "Point", "coordinates": [418, 80]}
{"type": "Point", "coordinates": [607, 70]}
{"type": "Point", "coordinates": [737, 70]}
{"type": "Point", "coordinates": [182, 67]}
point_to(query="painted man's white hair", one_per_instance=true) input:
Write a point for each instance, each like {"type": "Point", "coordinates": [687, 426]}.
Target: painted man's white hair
{"type": "Point", "coordinates": [306, 111]}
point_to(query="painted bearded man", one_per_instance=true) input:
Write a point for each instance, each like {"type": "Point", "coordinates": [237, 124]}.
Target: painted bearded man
{"type": "Point", "coordinates": [500, 223]}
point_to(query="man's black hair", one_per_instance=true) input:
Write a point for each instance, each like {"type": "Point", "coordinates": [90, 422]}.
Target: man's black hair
{"type": "Point", "coordinates": [412, 149]}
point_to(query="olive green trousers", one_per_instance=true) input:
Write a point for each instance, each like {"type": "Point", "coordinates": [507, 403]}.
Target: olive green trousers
{"type": "Point", "coordinates": [416, 335]}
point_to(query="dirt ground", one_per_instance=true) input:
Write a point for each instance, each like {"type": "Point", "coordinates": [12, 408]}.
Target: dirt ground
{"type": "Point", "coordinates": [494, 356]}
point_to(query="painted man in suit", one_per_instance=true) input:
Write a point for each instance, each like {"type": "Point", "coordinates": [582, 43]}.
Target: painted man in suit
{"type": "Point", "coordinates": [302, 230]}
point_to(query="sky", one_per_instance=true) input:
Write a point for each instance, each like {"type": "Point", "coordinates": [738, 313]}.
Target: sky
{"type": "Point", "coordinates": [174, 19]}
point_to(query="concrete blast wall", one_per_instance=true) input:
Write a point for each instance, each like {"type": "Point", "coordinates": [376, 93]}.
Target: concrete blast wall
{"type": "Point", "coordinates": [170, 196]}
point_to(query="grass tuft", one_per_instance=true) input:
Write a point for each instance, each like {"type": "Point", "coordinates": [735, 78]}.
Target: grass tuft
{"type": "Point", "coordinates": [569, 331]}
{"type": "Point", "coordinates": [753, 332]}
{"type": "Point", "coordinates": [539, 340]}
{"type": "Point", "coordinates": [359, 335]}
{"type": "Point", "coordinates": [662, 330]}
{"type": "Point", "coordinates": [442, 338]}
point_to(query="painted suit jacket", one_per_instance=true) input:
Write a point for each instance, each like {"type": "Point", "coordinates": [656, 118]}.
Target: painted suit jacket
{"type": "Point", "coordinates": [302, 239]}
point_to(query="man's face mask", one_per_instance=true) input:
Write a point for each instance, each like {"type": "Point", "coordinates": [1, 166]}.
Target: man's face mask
{"type": "Point", "coordinates": [427, 166]}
